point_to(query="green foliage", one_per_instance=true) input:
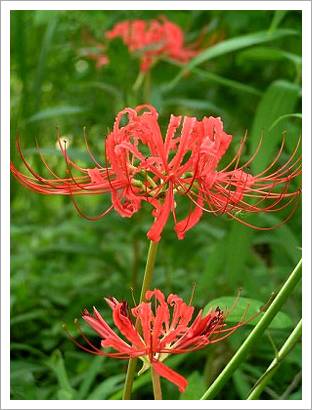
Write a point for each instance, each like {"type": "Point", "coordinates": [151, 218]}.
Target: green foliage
{"type": "Point", "coordinates": [249, 74]}
{"type": "Point", "coordinates": [55, 112]}
{"type": "Point", "coordinates": [241, 309]}
{"type": "Point", "coordinates": [195, 388]}
{"type": "Point", "coordinates": [279, 99]}
{"type": "Point", "coordinates": [229, 46]}
{"type": "Point", "coordinates": [56, 364]}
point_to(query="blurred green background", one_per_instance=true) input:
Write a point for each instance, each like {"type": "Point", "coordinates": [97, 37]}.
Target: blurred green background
{"type": "Point", "coordinates": [62, 263]}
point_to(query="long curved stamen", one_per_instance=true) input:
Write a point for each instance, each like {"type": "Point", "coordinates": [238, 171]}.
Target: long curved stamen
{"type": "Point", "coordinates": [285, 165]}
{"type": "Point", "coordinates": [238, 154]}
{"type": "Point", "coordinates": [44, 161]}
{"type": "Point", "coordinates": [253, 156]}
{"type": "Point", "coordinates": [26, 163]}
{"type": "Point", "coordinates": [98, 165]}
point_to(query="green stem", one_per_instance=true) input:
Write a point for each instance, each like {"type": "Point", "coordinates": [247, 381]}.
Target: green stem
{"type": "Point", "coordinates": [148, 274]}
{"type": "Point", "coordinates": [135, 265]}
{"type": "Point", "coordinates": [156, 385]}
{"type": "Point", "coordinates": [147, 88]}
{"type": "Point", "coordinates": [286, 348]}
{"type": "Point", "coordinates": [139, 81]}
{"type": "Point", "coordinates": [255, 334]}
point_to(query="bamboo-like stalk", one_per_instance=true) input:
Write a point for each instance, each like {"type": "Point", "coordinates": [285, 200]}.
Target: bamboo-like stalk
{"type": "Point", "coordinates": [255, 334]}
{"type": "Point", "coordinates": [268, 374]}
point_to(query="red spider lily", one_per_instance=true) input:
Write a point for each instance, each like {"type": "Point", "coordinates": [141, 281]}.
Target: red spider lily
{"type": "Point", "coordinates": [153, 39]}
{"type": "Point", "coordinates": [153, 331]}
{"type": "Point", "coordinates": [144, 166]}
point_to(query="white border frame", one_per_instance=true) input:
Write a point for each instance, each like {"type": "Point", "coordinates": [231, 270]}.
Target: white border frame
{"type": "Point", "coordinates": [6, 7]}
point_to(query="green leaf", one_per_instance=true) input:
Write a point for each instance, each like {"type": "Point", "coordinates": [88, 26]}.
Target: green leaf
{"type": "Point", "coordinates": [236, 43]}
{"type": "Point", "coordinates": [195, 388]}
{"type": "Point", "coordinates": [277, 19]}
{"type": "Point", "coordinates": [20, 368]}
{"type": "Point", "coordinates": [26, 348]}
{"type": "Point", "coordinates": [217, 79]}
{"type": "Point", "coordinates": [46, 45]}
{"type": "Point", "coordinates": [90, 376]}
{"type": "Point", "coordinates": [213, 268]}
{"type": "Point", "coordinates": [247, 307]}
{"type": "Point", "coordinates": [279, 99]}
{"type": "Point", "coordinates": [56, 112]}
{"type": "Point", "coordinates": [268, 54]}
{"type": "Point", "coordinates": [43, 17]}
{"type": "Point", "coordinates": [24, 317]}
{"type": "Point", "coordinates": [285, 117]}
{"type": "Point", "coordinates": [283, 235]}
{"type": "Point", "coordinates": [227, 82]}
{"type": "Point", "coordinates": [57, 365]}
{"type": "Point", "coordinates": [235, 253]}
{"type": "Point", "coordinates": [64, 395]}
{"type": "Point", "coordinates": [241, 383]}
{"type": "Point", "coordinates": [106, 388]}
{"type": "Point", "coordinates": [233, 44]}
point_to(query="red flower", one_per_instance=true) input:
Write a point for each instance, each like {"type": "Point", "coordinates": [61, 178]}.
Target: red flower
{"type": "Point", "coordinates": [155, 329]}
{"type": "Point", "coordinates": [144, 166]}
{"type": "Point", "coordinates": [153, 39]}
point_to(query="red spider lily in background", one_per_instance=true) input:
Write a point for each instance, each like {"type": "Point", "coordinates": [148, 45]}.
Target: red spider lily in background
{"type": "Point", "coordinates": [97, 54]}
{"type": "Point", "coordinates": [143, 166]}
{"type": "Point", "coordinates": [153, 39]}
{"type": "Point", "coordinates": [153, 331]}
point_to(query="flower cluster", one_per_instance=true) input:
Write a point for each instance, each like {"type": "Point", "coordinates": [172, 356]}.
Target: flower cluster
{"type": "Point", "coordinates": [150, 39]}
{"type": "Point", "coordinates": [153, 39]}
{"type": "Point", "coordinates": [143, 166]}
{"type": "Point", "coordinates": [154, 329]}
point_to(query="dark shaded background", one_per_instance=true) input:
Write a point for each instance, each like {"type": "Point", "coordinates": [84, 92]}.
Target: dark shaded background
{"type": "Point", "coordinates": [62, 263]}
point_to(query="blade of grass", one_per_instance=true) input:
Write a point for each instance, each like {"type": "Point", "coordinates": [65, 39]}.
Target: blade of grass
{"type": "Point", "coordinates": [19, 50]}
{"type": "Point", "coordinates": [268, 54]}
{"type": "Point", "coordinates": [47, 42]}
{"type": "Point", "coordinates": [237, 250]}
{"type": "Point", "coordinates": [217, 79]}
{"type": "Point", "coordinates": [90, 376]}
{"type": "Point", "coordinates": [279, 99]}
{"type": "Point", "coordinates": [236, 85]}
{"type": "Point", "coordinates": [277, 19]}
{"type": "Point", "coordinates": [230, 45]}
{"type": "Point", "coordinates": [56, 112]}
{"type": "Point", "coordinates": [57, 365]}
{"type": "Point", "coordinates": [284, 117]}
{"type": "Point", "coordinates": [255, 334]}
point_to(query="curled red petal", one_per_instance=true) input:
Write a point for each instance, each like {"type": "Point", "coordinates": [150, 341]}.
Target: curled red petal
{"type": "Point", "coordinates": [169, 374]}
{"type": "Point", "coordinates": [125, 325]}
{"type": "Point", "coordinates": [125, 202]}
{"type": "Point", "coordinates": [162, 315]}
{"type": "Point", "coordinates": [154, 234]}
{"type": "Point", "coordinates": [191, 220]}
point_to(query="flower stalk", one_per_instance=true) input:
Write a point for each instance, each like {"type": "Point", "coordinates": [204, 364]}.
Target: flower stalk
{"type": "Point", "coordinates": [147, 280]}
{"type": "Point", "coordinates": [286, 348]}
{"type": "Point", "coordinates": [256, 333]}
{"type": "Point", "coordinates": [156, 385]}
